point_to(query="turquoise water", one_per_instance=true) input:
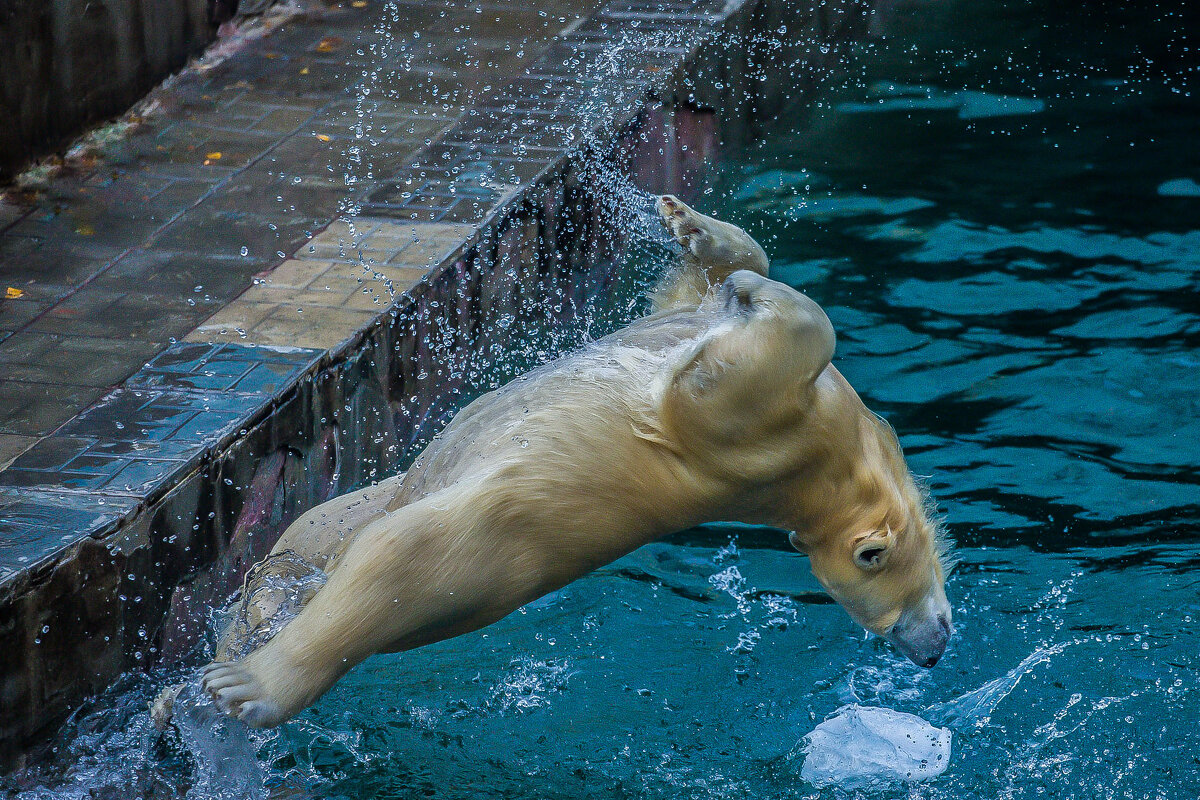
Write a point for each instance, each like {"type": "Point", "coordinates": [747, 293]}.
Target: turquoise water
{"type": "Point", "coordinates": [1008, 244]}
{"type": "Point", "coordinates": [1010, 254]}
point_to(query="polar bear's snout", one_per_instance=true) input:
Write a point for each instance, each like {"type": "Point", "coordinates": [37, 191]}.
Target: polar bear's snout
{"type": "Point", "coordinates": [922, 632]}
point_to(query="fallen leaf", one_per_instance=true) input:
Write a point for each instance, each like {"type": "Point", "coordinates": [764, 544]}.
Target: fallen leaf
{"type": "Point", "coordinates": [214, 156]}
{"type": "Point", "coordinates": [329, 44]}
{"type": "Point", "coordinates": [270, 54]}
{"type": "Point", "coordinates": [322, 137]}
{"type": "Point", "coordinates": [13, 294]}
{"type": "Point", "coordinates": [304, 71]}
{"type": "Point", "coordinates": [359, 3]}
{"type": "Point", "coordinates": [86, 230]}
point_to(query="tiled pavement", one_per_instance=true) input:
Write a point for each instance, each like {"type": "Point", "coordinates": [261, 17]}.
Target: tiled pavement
{"type": "Point", "coordinates": [245, 164]}
{"type": "Point", "coordinates": [229, 192]}
{"type": "Point", "coordinates": [212, 224]}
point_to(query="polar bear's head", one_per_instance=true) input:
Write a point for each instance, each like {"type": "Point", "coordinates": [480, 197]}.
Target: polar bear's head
{"type": "Point", "coordinates": [756, 404]}
{"type": "Point", "coordinates": [875, 548]}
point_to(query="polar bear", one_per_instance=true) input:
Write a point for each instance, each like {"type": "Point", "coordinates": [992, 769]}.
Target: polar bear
{"type": "Point", "coordinates": [722, 405]}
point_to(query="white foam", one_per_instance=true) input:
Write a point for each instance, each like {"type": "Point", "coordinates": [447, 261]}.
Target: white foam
{"type": "Point", "coordinates": [862, 746]}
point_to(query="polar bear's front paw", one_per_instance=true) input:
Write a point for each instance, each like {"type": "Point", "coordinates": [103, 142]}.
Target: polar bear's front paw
{"type": "Point", "coordinates": [689, 228]}
{"type": "Point", "coordinates": [237, 690]}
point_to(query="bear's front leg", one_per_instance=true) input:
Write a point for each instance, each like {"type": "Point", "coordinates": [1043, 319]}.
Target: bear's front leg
{"type": "Point", "coordinates": [429, 571]}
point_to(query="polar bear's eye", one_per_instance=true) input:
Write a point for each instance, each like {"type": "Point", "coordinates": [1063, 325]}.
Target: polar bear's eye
{"type": "Point", "coordinates": [870, 556]}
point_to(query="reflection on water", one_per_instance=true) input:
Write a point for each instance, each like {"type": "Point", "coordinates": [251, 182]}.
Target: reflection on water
{"type": "Point", "coordinates": [1001, 223]}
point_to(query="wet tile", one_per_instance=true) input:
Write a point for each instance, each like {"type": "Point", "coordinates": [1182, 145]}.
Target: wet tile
{"type": "Point", "coordinates": [226, 368]}
{"type": "Point", "coordinates": [12, 446]}
{"type": "Point", "coordinates": [31, 409]}
{"type": "Point", "coordinates": [236, 149]}
{"type": "Point", "coordinates": [82, 229]}
{"type": "Point", "coordinates": [10, 213]}
{"type": "Point", "coordinates": [153, 416]}
{"type": "Point", "coordinates": [315, 327]}
{"type": "Point", "coordinates": [138, 439]}
{"type": "Point", "coordinates": [427, 253]}
{"type": "Point", "coordinates": [232, 323]}
{"type": "Point", "coordinates": [181, 276]}
{"type": "Point", "coordinates": [35, 526]}
{"type": "Point", "coordinates": [295, 273]}
{"type": "Point", "coordinates": [232, 233]}
{"type": "Point", "coordinates": [182, 193]}
{"type": "Point", "coordinates": [51, 266]}
{"type": "Point", "coordinates": [95, 311]}
{"type": "Point", "coordinates": [282, 120]}
{"type": "Point", "coordinates": [72, 360]}
{"type": "Point", "coordinates": [16, 314]}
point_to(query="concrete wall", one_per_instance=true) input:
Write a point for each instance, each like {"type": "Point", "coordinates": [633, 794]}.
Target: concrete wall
{"type": "Point", "coordinates": [67, 63]}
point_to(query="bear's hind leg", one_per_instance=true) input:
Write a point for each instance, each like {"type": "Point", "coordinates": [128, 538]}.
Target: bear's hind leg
{"type": "Point", "coordinates": [712, 251]}
{"type": "Point", "coordinates": [711, 243]}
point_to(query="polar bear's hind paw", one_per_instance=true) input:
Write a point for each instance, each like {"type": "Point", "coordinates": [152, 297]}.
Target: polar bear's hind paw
{"type": "Point", "coordinates": [239, 692]}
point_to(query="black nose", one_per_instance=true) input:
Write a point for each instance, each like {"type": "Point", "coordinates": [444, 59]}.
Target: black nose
{"type": "Point", "coordinates": [929, 662]}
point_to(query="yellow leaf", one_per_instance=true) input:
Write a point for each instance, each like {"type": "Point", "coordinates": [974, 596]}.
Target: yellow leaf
{"type": "Point", "coordinates": [304, 71]}
{"type": "Point", "coordinates": [322, 137]}
{"type": "Point", "coordinates": [13, 294]}
{"type": "Point", "coordinates": [328, 44]}
{"type": "Point", "coordinates": [359, 3]}
{"type": "Point", "coordinates": [214, 156]}
{"type": "Point", "coordinates": [86, 230]}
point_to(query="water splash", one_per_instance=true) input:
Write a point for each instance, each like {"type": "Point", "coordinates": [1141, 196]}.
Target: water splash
{"type": "Point", "coordinates": [115, 747]}
{"type": "Point", "coordinates": [273, 593]}
{"type": "Point", "coordinates": [528, 684]}
{"type": "Point", "coordinates": [760, 611]}
{"type": "Point", "coordinates": [111, 748]}
{"type": "Point", "coordinates": [974, 709]}
{"type": "Point", "coordinates": [224, 752]}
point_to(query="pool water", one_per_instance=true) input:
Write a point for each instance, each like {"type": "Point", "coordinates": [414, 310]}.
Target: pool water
{"type": "Point", "coordinates": [1008, 244]}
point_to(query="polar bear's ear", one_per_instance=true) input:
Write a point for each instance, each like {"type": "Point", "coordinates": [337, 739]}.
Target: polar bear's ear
{"type": "Point", "coordinates": [871, 549]}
